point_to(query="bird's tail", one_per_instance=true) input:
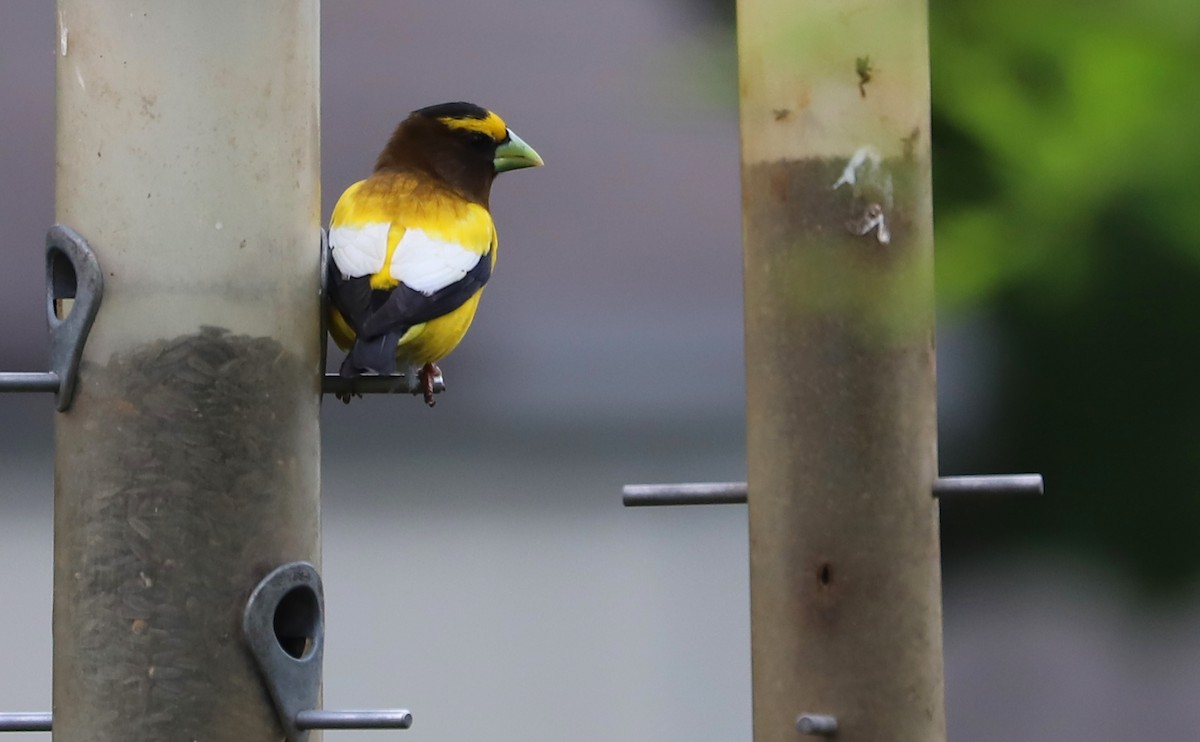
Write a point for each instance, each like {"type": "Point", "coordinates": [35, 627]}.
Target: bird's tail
{"type": "Point", "coordinates": [375, 355]}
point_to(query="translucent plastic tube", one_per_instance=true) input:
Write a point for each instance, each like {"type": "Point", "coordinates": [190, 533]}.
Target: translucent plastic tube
{"type": "Point", "coordinates": [841, 425]}
{"type": "Point", "coordinates": [188, 465]}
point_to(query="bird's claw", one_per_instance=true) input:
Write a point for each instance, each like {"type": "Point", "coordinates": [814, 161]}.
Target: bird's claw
{"type": "Point", "coordinates": [428, 374]}
{"type": "Point", "coordinates": [350, 393]}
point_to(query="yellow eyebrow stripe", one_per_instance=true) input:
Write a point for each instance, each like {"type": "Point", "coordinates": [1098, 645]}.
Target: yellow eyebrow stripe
{"type": "Point", "coordinates": [492, 125]}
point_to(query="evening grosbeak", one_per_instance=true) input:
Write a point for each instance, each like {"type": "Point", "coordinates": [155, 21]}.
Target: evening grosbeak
{"type": "Point", "coordinates": [413, 245]}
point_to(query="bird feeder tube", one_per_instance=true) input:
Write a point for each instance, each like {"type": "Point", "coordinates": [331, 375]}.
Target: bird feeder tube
{"type": "Point", "coordinates": [840, 392]}
{"type": "Point", "coordinates": [187, 466]}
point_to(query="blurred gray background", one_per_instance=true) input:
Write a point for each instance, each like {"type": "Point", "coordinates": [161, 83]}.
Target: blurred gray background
{"type": "Point", "coordinates": [485, 574]}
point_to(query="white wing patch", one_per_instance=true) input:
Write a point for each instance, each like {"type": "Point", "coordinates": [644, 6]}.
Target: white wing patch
{"type": "Point", "coordinates": [359, 251]}
{"type": "Point", "coordinates": [428, 264]}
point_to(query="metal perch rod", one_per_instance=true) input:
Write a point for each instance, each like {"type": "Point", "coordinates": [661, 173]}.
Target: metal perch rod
{"type": "Point", "coordinates": [731, 493]}
{"type": "Point", "coordinates": [394, 384]}
{"type": "Point", "coordinates": [314, 719]}
{"type": "Point", "coordinates": [49, 381]}
{"type": "Point", "coordinates": [25, 722]}
{"type": "Point", "coordinates": [30, 381]}
{"type": "Point", "coordinates": [387, 719]}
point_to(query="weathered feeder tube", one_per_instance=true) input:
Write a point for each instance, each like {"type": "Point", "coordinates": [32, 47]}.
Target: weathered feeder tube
{"type": "Point", "coordinates": [188, 464]}
{"type": "Point", "coordinates": [840, 392]}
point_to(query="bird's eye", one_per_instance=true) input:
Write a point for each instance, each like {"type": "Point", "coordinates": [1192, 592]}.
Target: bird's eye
{"type": "Point", "coordinates": [480, 139]}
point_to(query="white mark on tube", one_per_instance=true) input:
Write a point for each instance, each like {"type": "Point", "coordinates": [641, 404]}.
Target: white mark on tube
{"type": "Point", "coordinates": [882, 232]}
{"type": "Point", "coordinates": [62, 35]}
{"type": "Point", "coordinates": [219, 225]}
{"type": "Point", "coordinates": [872, 219]}
{"type": "Point", "coordinates": [79, 77]}
{"type": "Point", "coordinates": [861, 155]}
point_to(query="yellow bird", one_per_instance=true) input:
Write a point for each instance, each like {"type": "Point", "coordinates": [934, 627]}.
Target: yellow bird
{"type": "Point", "coordinates": [413, 245]}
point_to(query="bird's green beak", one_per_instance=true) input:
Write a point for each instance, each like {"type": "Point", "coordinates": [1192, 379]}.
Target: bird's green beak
{"type": "Point", "coordinates": [515, 154]}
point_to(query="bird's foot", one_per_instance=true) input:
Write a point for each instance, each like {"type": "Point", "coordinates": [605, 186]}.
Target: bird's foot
{"type": "Point", "coordinates": [350, 392]}
{"type": "Point", "coordinates": [427, 375]}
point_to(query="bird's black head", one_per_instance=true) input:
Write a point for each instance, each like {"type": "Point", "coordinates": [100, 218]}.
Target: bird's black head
{"type": "Point", "coordinates": [462, 144]}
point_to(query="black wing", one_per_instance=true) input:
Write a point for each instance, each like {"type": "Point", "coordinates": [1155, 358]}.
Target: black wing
{"type": "Point", "coordinates": [403, 306]}
{"type": "Point", "coordinates": [353, 297]}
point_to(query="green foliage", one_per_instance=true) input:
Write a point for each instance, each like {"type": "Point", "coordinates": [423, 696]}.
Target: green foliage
{"type": "Point", "coordinates": [1066, 172]}
{"type": "Point", "coordinates": [1065, 112]}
